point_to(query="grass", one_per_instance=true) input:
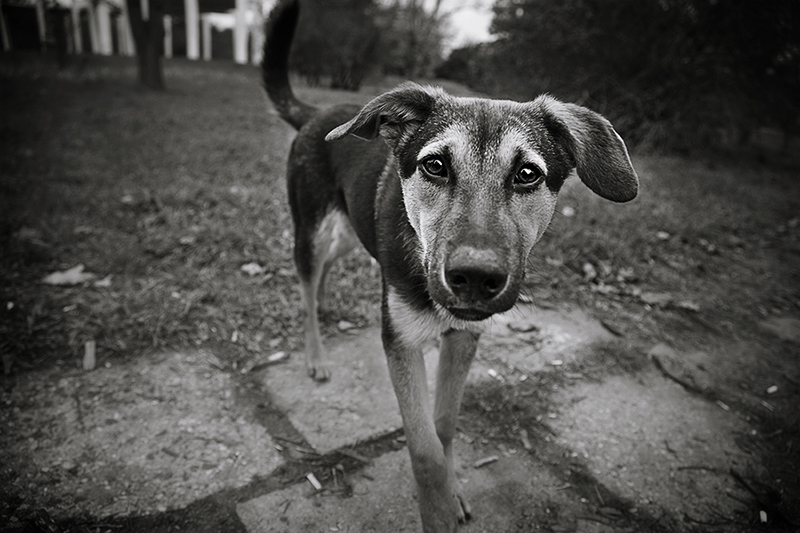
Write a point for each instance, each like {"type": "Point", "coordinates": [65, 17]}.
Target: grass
{"type": "Point", "coordinates": [171, 193]}
{"type": "Point", "coordinates": [168, 193]}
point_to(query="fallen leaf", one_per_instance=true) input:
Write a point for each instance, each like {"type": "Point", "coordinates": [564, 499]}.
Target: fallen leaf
{"type": "Point", "coordinates": [83, 230]}
{"type": "Point", "coordinates": [786, 328]}
{"type": "Point", "coordinates": [486, 461]}
{"type": "Point", "coordinates": [252, 269]}
{"type": "Point", "coordinates": [709, 247]}
{"type": "Point", "coordinates": [602, 288]}
{"type": "Point", "coordinates": [89, 359]}
{"type": "Point", "coordinates": [103, 283]}
{"type": "Point", "coordinates": [688, 305]}
{"type": "Point", "coordinates": [626, 274]}
{"type": "Point", "coordinates": [344, 325]}
{"type": "Point", "coordinates": [589, 272]}
{"type": "Point", "coordinates": [656, 298]}
{"type": "Point", "coordinates": [277, 356]}
{"type": "Point", "coordinates": [494, 374]}
{"type": "Point", "coordinates": [522, 326]}
{"type": "Point", "coordinates": [73, 276]}
{"type": "Point", "coordinates": [610, 512]}
{"type": "Point", "coordinates": [612, 328]}
{"type": "Point", "coordinates": [523, 436]}
{"type": "Point", "coordinates": [259, 362]}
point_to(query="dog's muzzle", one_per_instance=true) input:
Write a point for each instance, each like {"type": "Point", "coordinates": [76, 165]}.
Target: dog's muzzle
{"type": "Point", "coordinates": [476, 283]}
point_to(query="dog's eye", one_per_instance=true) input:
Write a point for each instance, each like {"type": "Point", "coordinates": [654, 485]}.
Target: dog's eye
{"type": "Point", "coordinates": [434, 167]}
{"type": "Point", "coordinates": [528, 176]}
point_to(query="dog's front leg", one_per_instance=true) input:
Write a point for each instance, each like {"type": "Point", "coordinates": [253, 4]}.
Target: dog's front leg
{"type": "Point", "coordinates": [439, 503]}
{"type": "Point", "coordinates": [455, 357]}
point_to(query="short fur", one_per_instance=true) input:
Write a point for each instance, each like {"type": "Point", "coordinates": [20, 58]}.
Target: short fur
{"type": "Point", "coordinates": [449, 195]}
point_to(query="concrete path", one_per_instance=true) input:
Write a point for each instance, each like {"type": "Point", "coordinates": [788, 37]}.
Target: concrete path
{"type": "Point", "coordinates": [629, 435]}
{"type": "Point", "coordinates": [572, 449]}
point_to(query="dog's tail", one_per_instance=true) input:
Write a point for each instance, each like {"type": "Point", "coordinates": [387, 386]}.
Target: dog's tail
{"type": "Point", "coordinates": [279, 30]}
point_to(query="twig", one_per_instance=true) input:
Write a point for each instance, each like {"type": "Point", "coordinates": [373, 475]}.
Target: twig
{"type": "Point", "coordinates": [287, 439]}
{"type": "Point", "coordinates": [704, 523]}
{"type": "Point", "coordinates": [306, 451]}
{"type": "Point", "coordinates": [612, 329]}
{"type": "Point", "coordinates": [594, 518]}
{"type": "Point", "coordinates": [599, 497]}
{"type": "Point", "coordinates": [353, 455]}
{"type": "Point", "coordinates": [701, 467]}
{"type": "Point", "coordinates": [485, 461]}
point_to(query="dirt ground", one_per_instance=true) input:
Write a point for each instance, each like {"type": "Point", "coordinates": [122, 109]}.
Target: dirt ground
{"type": "Point", "coordinates": [648, 381]}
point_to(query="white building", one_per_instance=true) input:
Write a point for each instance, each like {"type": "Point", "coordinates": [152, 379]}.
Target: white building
{"type": "Point", "coordinates": [80, 27]}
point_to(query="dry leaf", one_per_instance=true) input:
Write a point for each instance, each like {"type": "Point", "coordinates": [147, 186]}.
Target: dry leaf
{"type": "Point", "coordinates": [688, 305]}
{"type": "Point", "coordinates": [344, 325]}
{"type": "Point", "coordinates": [656, 298]}
{"type": "Point", "coordinates": [523, 436]}
{"type": "Point", "coordinates": [89, 359]}
{"type": "Point", "coordinates": [252, 269]}
{"type": "Point", "coordinates": [485, 461]}
{"type": "Point", "coordinates": [589, 272]}
{"type": "Point", "coordinates": [522, 326]}
{"type": "Point", "coordinates": [73, 276]}
{"type": "Point", "coordinates": [103, 283]}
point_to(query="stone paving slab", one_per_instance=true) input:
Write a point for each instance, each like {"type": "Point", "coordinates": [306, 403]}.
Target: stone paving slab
{"type": "Point", "coordinates": [154, 434]}
{"type": "Point", "coordinates": [358, 403]}
{"type": "Point", "coordinates": [530, 339]}
{"type": "Point", "coordinates": [650, 442]}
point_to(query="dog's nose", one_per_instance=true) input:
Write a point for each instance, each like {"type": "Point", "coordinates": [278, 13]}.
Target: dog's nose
{"type": "Point", "coordinates": [475, 274]}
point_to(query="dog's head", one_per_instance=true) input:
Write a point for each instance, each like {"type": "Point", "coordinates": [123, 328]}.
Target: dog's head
{"type": "Point", "coordinates": [480, 179]}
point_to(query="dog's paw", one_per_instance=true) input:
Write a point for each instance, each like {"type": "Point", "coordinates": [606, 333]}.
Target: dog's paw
{"type": "Point", "coordinates": [319, 371]}
{"type": "Point", "coordinates": [464, 512]}
{"type": "Point", "coordinates": [443, 512]}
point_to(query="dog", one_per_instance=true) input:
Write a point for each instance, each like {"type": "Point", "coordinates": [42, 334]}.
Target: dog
{"type": "Point", "coordinates": [449, 195]}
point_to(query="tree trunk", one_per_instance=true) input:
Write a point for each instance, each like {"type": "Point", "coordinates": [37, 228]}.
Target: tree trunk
{"type": "Point", "coordinates": [148, 36]}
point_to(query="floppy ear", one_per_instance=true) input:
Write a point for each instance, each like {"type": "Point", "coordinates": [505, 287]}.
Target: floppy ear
{"type": "Point", "coordinates": [600, 157]}
{"type": "Point", "coordinates": [392, 115]}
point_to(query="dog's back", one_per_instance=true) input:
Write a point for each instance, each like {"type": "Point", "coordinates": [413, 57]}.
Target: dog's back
{"type": "Point", "coordinates": [314, 184]}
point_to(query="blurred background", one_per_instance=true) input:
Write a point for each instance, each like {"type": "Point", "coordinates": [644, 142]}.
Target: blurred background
{"type": "Point", "coordinates": [669, 73]}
